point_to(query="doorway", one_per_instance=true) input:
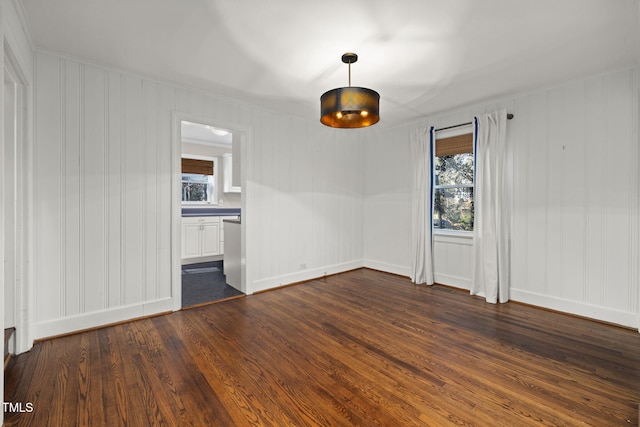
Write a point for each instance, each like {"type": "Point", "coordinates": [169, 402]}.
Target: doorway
{"type": "Point", "coordinates": [208, 200]}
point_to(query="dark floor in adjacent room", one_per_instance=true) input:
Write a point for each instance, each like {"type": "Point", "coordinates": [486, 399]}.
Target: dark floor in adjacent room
{"type": "Point", "coordinates": [205, 282]}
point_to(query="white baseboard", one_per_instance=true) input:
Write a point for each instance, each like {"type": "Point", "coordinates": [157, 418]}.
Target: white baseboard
{"type": "Point", "coordinates": [100, 318]}
{"type": "Point", "coordinates": [455, 281]}
{"type": "Point", "coordinates": [400, 270]}
{"type": "Point", "coordinates": [618, 317]}
{"type": "Point", "coordinates": [120, 314]}
{"type": "Point", "coordinates": [303, 275]}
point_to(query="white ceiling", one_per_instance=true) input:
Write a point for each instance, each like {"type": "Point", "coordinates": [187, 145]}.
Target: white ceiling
{"type": "Point", "coordinates": [198, 133]}
{"type": "Point", "coordinates": [422, 56]}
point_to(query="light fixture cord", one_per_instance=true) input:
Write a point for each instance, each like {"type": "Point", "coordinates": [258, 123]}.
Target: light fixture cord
{"type": "Point", "coordinates": [349, 73]}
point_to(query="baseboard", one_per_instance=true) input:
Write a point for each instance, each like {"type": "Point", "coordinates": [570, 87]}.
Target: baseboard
{"type": "Point", "coordinates": [604, 314]}
{"type": "Point", "coordinates": [302, 276]}
{"type": "Point", "coordinates": [454, 281]}
{"type": "Point", "coordinates": [400, 270]}
{"type": "Point", "coordinates": [95, 319]}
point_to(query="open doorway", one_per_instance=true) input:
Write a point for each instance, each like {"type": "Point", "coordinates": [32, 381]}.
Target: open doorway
{"type": "Point", "coordinates": [210, 203]}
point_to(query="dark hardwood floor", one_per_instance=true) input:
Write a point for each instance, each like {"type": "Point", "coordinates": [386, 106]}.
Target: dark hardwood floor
{"type": "Point", "coordinates": [360, 348]}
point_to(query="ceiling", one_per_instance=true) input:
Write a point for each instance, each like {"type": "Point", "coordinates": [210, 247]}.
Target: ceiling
{"type": "Point", "coordinates": [422, 56]}
{"type": "Point", "coordinates": [198, 133]}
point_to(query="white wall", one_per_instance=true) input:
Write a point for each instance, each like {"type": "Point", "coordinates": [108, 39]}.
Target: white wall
{"type": "Point", "coordinates": [576, 220]}
{"type": "Point", "coordinates": [575, 246]}
{"type": "Point", "coordinates": [103, 202]}
{"type": "Point", "coordinates": [305, 184]}
{"type": "Point", "coordinates": [387, 202]}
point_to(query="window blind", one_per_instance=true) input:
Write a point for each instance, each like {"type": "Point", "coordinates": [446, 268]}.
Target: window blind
{"type": "Point", "coordinates": [199, 167]}
{"type": "Point", "coordinates": [458, 144]}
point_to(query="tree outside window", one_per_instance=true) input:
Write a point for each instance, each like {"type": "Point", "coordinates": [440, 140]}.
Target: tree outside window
{"type": "Point", "coordinates": [453, 184]}
{"type": "Point", "coordinates": [195, 188]}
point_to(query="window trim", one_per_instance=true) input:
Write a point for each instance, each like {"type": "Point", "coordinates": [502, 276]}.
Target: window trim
{"type": "Point", "coordinates": [451, 236]}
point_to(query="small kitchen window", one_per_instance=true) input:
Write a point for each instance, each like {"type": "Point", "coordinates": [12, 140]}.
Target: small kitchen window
{"type": "Point", "coordinates": [199, 180]}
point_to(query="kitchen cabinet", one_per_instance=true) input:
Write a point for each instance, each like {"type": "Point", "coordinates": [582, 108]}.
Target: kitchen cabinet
{"type": "Point", "coordinates": [200, 237]}
{"type": "Point", "coordinates": [203, 237]}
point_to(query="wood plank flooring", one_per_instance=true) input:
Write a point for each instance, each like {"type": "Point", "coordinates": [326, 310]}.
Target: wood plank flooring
{"type": "Point", "coordinates": [360, 348]}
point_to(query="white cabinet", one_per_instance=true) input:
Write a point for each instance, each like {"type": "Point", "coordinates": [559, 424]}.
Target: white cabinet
{"type": "Point", "coordinates": [211, 238]}
{"type": "Point", "coordinates": [200, 236]}
{"type": "Point", "coordinates": [203, 237]}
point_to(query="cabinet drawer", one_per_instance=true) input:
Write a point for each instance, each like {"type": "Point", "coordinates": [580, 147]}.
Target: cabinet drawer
{"type": "Point", "coordinates": [200, 219]}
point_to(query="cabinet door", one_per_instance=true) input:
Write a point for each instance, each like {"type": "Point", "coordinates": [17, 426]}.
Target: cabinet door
{"type": "Point", "coordinates": [210, 238]}
{"type": "Point", "coordinates": [190, 240]}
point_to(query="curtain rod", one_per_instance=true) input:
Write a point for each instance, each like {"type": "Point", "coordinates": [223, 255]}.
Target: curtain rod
{"type": "Point", "coordinates": [509, 117]}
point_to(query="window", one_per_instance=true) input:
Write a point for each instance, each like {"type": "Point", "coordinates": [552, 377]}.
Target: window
{"type": "Point", "coordinates": [198, 181]}
{"type": "Point", "coordinates": [196, 188]}
{"type": "Point", "coordinates": [453, 183]}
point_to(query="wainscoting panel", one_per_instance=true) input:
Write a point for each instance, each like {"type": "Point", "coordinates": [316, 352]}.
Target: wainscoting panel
{"type": "Point", "coordinates": [72, 197]}
{"type": "Point", "coordinates": [453, 260]}
{"type": "Point", "coordinates": [576, 202]}
{"type": "Point", "coordinates": [103, 198]}
{"type": "Point", "coordinates": [49, 159]}
{"type": "Point", "coordinates": [94, 187]}
{"type": "Point", "coordinates": [573, 153]}
{"type": "Point", "coordinates": [114, 182]}
{"type": "Point", "coordinates": [387, 201]}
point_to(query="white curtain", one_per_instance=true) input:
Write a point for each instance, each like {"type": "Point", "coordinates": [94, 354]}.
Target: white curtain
{"type": "Point", "coordinates": [491, 223]}
{"type": "Point", "coordinates": [422, 141]}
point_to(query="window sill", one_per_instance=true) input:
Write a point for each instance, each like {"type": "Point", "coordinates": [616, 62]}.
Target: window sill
{"type": "Point", "coordinates": [453, 236]}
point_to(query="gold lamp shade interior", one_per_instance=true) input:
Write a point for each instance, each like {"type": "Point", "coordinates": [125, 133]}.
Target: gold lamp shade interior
{"type": "Point", "coordinates": [350, 107]}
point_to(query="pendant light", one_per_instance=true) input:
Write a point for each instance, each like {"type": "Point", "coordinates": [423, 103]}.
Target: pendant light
{"type": "Point", "coordinates": [350, 107]}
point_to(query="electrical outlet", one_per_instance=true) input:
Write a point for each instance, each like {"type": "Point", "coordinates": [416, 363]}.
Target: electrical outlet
{"type": "Point", "coordinates": [303, 266]}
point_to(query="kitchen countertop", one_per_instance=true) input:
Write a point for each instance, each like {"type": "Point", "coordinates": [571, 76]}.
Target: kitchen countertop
{"type": "Point", "coordinates": [210, 211]}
